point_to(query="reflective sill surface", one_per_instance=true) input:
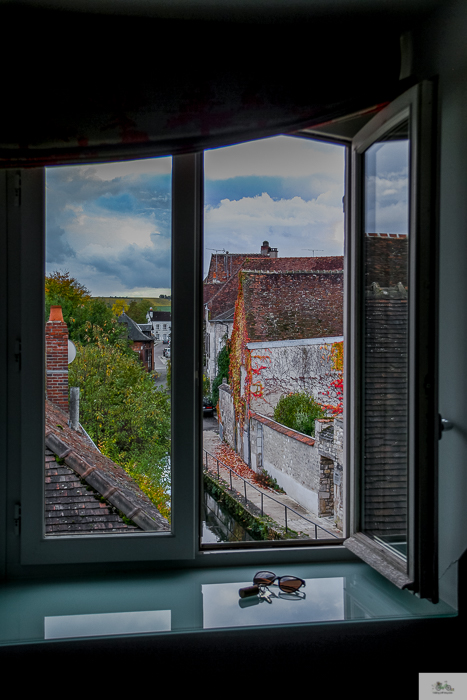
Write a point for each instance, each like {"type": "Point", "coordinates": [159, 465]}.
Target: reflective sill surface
{"type": "Point", "coordinates": [199, 600]}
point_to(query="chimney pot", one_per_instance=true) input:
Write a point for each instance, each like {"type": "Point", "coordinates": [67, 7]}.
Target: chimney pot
{"type": "Point", "coordinates": [56, 348]}
{"type": "Point", "coordinates": [56, 314]}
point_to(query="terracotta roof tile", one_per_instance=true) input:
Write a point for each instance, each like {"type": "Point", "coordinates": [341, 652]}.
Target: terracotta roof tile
{"type": "Point", "coordinates": [293, 305]}
{"type": "Point", "coordinates": [220, 298]}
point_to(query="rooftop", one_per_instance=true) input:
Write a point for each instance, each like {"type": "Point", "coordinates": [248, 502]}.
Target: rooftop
{"type": "Point", "coordinates": [87, 493]}
{"type": "Point", "coordinates": [293, 305]}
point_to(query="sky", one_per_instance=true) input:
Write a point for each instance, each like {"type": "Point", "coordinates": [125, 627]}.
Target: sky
{"type": "Point", "coordinates": [109, 225]}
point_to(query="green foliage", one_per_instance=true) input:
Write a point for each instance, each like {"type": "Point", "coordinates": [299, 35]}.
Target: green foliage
{"type": "Point", "coordinates": [299, 412]}
{"type": "Point", "coordinates": [223, 364]}
{"type": "Point", "coordinates": [126, 416]}
{"type": "Point", "coordinates": [206, 386]}
{"type": "Point", "coordinates": [87, 318]}
{"type": "Point", "coordinates": [266, 479]}
{"type": "Point", "coordinates": [259, 527]}
{"type": "Point", "coordinates": [138, 309]}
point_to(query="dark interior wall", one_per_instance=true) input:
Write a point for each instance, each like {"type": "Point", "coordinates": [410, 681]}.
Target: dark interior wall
{"type": "Point", "coordinates": [440, 51]}
{"type": "Point", "coordinates": [118, 82]}
{"type": "Point", "coordinates": [327, 657]}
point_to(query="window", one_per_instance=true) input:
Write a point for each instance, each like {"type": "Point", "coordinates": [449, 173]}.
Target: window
{"type": "Point", "coordinates": [26, 388]}
{"type": "Point", "coordinates": [274, 309]}
{"type": "Point", "coordinates": [180, 541]}
{"type": "Point", "coordinates": [393, 295]}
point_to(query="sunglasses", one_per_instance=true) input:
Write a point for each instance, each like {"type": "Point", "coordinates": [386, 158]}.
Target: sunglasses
{"type": "Point", "coordinates": [287, 584]}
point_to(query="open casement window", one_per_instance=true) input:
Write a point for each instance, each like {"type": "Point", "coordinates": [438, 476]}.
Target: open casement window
{"type": "Point", "coordinates": [391, 389]}
{"type": "Point", "coordinates": [26, 219]}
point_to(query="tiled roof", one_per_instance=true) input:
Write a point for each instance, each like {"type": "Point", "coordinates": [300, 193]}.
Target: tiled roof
{"type": "Point", "coordinates": [87, 493]}
{"type": "Point", "coordinates": [386, 259]}
{"type": "Point", "coordinates": [134, 331]}
{"type": "Point", "coordinates": [385, 439]}
{"type": "Point", "coordinates": [224, 265]}
{"type": "Point", "coordinates": [223, 297]}
{"type": "Point", "coordinates": [293, 305]}
{"type": "Point", "coordinates": [160, 315]}
{"type": "Point", "coordinates": [386, 399]}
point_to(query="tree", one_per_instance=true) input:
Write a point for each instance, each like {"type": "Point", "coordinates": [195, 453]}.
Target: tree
{"type": "Point", "coordinates": [126, 416]}
{"type": "Point", "coordinates": [119, 307]}
{"type": "Point", "coordinates": [86, 317]}
{"type": "Point", "coordinates": [60, 284]}
{"type": "Point", "coordinates": [138, 309]}
{"type": "Point", "coordinates": [299, 412]}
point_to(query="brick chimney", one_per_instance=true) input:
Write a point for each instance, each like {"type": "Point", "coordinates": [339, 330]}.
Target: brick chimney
{"type": "Point", "coordinates": [265, 248]}
{"type": "Point", "coordinates": [268, 252]}
{"type": "Point", "coordinates": [56, 350]}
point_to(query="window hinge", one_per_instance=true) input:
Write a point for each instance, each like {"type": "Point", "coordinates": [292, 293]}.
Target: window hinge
{"type": "Point", "coordinates": [17, 518]}
{"type": "Point", "coordinates": [18, 353]}
{"type": "Point", "coordinates": [17, 199]}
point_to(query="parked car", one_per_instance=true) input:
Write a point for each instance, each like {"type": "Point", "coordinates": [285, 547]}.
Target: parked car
{"type": "Point", "coordinates": [208, 406]}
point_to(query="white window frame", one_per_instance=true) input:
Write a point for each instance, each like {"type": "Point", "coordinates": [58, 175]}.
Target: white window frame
{"type": "Point", "coordinates": [419, 572]}
{"type": "Point", "coordinates": [25, 226]}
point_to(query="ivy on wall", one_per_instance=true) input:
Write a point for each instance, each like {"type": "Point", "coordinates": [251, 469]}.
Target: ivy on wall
{"type": "Point", "coordinates": [336, 357]}
{"type": "Point", "coordinates": [246, 370]}
{"type": "Point", "coordinates": [240, 358]}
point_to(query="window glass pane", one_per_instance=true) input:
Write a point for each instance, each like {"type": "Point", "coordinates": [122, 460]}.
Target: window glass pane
{"type": "Point", "coordinates": [273, 341]}
{"type": "Point", "coordinates": [108, 285]}
{"type": "Point", "coordinates": [386, 230]}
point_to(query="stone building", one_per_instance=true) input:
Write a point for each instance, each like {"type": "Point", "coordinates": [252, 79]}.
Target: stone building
{"type": "Point", "coordinates": [161, 324]}
{"type": "Point", "coordinates": [220, 290]}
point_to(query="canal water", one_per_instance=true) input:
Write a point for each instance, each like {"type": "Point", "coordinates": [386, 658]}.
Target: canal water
{"type": "Point", "coordinates": [218, 525]}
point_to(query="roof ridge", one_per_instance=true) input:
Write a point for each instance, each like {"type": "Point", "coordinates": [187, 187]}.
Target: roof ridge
{"type": "Point", "coordinates": [294, 272]}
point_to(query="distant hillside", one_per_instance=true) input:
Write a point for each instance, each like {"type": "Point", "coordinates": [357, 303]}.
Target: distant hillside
{"type": "Point", "coordinates": [155, 301]}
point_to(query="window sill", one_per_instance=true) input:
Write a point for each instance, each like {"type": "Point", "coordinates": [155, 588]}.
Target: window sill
{"type": "Point", "coordinates": [199, 600]}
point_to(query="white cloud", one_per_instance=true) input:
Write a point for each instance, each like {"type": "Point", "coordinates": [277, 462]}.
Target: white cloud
{"type": "Point", "coordinates": [109, 233]}
{"type": "Point", "coordinates": [264, 211]}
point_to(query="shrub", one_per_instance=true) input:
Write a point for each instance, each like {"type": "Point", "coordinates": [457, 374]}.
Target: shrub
{"type": "Point", "coordinates": [223, 363]}
{"type": "Point", "coordinates": [299, 412]}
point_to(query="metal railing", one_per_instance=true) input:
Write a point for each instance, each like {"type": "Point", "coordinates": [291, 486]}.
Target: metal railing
{"type": "Point", "coordinates": [262, 494]}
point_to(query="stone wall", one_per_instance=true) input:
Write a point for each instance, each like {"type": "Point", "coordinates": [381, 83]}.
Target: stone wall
{"type": "Point", "coordinates": [289, 457]}
{"type": "Point", "coordinates": [227, 428]}
{"type": "Point", "coordinates": [291, 366]}
{"type": "Point", "coordinates": [330, 446]}
{"type": "Point", "coordinates": [310, 470]}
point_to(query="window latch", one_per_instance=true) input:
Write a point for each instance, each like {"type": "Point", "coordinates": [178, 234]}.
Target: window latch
{"type": "Point", "coordinates": [444, 424]}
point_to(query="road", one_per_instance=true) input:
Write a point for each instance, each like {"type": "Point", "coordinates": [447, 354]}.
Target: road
{"type": "Point", "coordinates": [160, 363]}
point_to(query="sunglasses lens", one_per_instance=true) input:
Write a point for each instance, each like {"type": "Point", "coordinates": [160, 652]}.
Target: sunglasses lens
{"type": "Point", "coordinates": [290, 584]}
{"type": "Point", "coordinates": [264, 578]}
